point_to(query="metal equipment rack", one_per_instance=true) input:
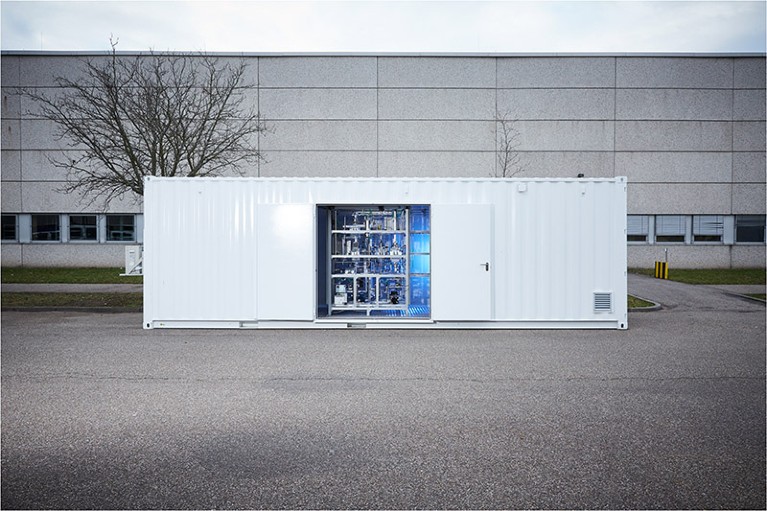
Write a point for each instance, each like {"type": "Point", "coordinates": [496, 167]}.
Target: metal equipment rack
{"type": "Point", "coordinates": [369, 263]}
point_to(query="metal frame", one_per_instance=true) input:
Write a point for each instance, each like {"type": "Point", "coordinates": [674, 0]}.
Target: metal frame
{"type": "Point", "coordinates": [370, 210]}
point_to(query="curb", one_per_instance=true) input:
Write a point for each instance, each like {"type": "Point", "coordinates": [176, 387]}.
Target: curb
{"type": "Point", "coordinates": [652, 308]}
{"type": "Point", "coordinates": [107, 310]}
{"type": "Point", "coordinates": [746, 297]}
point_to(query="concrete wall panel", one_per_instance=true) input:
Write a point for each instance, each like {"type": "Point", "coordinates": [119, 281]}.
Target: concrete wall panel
{"type": "Point", "coordinates": [39, 166]}
{"type": "Point", "coordinates": [748, 136]}
{"type": "Point", "coordinates": [10, 196]}
{"type": "Point", "coordinates": [450, 72]}
{"type": "Point", "coordinates": [749, 105]}
{"type": "Point", "coordinates": [679, 199]}
{"type": "Point", "coordinates": [436, 136]}
{"type": "Point", "coordinates": [748, 199]}
{"type": "Point", "coordinates": [10, 166]}
{"type": "Point", "coordinates": [63, 254]}
{"type": "Point", "coordinates": [31, 109]}
{"type": "Point", "coordinates": [11, 254]}
{"type": "Point", "coordinates": [302, 104]}
{"type": "Point", "coordinates": [744, 256]}
{"type": "Point", "coordinates": [671, 167]}
{"type": "Point", "coordinates": [565, 135]}
{"type": "Point", "coordinates": [557, 104]}
{"type": "Point", "coordinates": [11, 136]}
{"type": "Point", "coordinates": [750, 73]}
{"type": "Point", "coordinates": [43, 135]}
{"type": "Point", "coordinates": [9, 71]}
{"type": "Point", "coordinates": [749, 167]}
{"type": "Point", "coordinates": [42, 71]}
{"type": "Point", "coordinates": [556, 72]}
{"type": "Point", "coordinates": [435, 164]}
{"type": "Point", "coordinates": [674, 104]}
{"type": "Point", "coordinates": [566, 164]}
{"type": "Point", "coordinates": [46, 197]}
{"type": "Point", "coordinates": [317, 71]}
{"type": "Point", "coordinates": [319, 164]}
{"type": "Point", "coordinates": [320, 135]}
{"type": "Point", "coordinates": [674, 72]}
{"type": "Point", "coordinates": [11, 104]}
{"type": "Point", "coordinates": [673, 136]}
{"type": "Point", "coordinates": [679, 256]}
{"type": "Point", "coordinates": [436, 104]}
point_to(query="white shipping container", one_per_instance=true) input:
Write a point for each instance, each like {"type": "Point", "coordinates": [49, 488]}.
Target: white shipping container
{"type": "Point", "coordinates": [384, 253]}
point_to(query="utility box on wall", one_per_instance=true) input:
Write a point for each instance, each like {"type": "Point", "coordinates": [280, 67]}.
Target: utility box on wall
{"type": "Point", "coordinates": [384, 253]}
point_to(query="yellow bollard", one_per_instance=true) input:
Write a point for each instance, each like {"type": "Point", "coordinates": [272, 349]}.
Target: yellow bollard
{"type": "Point", "coordinates": [661, 270]}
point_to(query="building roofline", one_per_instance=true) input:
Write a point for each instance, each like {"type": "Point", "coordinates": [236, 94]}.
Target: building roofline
{"type": "Point", "coordinates": [63, 53]}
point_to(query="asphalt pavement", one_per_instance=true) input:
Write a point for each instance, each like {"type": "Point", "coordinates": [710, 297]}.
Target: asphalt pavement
{"type": "Point", "coordinates": [98, 413]}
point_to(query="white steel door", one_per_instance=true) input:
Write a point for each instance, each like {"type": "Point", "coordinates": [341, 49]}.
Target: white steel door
{"type": "Point", "coordinates": [461, 262]}
{"type": "Point", "coordinates": [286, 266]}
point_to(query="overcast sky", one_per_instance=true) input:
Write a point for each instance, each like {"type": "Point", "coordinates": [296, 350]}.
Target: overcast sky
{"type": "Point", "coordinates": [387, 26]}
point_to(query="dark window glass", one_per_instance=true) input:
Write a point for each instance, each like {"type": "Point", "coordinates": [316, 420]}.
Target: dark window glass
{"type": "Point", "coordinates": [9, 227]}
{"type": "Point", "coordinates": [46, 228]}
{"type": "Point", "coordinates": [749, 228]}
{"type": "Point", "coordinates": [636, 237]}
{"type": "Point", "coordinates": [121, 228]}
{"type": "Point", "coordinates": [82, 228]}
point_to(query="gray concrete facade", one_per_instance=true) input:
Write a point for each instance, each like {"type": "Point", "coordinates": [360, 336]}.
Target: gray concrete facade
{"type": "Point", "coordinates": [687, 130]}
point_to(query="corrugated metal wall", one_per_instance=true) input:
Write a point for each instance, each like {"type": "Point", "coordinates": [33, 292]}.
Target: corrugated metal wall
{"type": "Point", "coordinates": [554, 242]}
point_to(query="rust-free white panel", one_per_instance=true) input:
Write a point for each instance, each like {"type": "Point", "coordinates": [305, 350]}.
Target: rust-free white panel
{"type": "Point", "coordinates": [200, 250]}
{"type": "Point", "coordinates": [554, 243]}
{"type": "Point", "coordinates": [286, 266]}
{"type": "Point", "coordinates": [461, 262]}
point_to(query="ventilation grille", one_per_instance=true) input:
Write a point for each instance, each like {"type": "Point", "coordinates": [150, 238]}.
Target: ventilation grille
{"type": "Point", "coordinates": [603, 302]}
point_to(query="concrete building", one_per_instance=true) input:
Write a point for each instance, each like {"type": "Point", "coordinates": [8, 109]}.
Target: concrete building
{"type": "Point", "coordinates": [687, 130]}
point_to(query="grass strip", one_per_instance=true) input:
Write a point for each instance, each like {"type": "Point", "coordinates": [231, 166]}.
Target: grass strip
{"type": "Point", "coordinates": [638, 303]}
{"type": "Point", "coordinates": [737, 276]}
{"type": "Point", "coordinates": [110, 300]}
{"type": "Point", "coordinates": [29, 275]}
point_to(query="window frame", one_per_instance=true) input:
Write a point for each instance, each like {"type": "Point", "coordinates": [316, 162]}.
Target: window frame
{"type": "Point", "coordinates": [134, 238]}
{"type": "Point", "coordinates": [644, 224]}
{"type": "Point", "coordinates": [685, 235]}
{"type": "Point", "coordinates": [95, 228]}
{"type": "Point", "coordinates": [697, 221]}
{"type": "Point", "coordinates": [59, 225]}
{"type": "Point", "coordinates": [752, 243]}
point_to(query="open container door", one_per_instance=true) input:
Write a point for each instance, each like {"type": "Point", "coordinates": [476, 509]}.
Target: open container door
{"type": "Point", "coordinates": [286, 262]}
{"type": "Point", "coordinates": [462, 265]}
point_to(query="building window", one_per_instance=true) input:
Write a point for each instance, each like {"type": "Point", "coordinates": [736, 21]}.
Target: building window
{"type": "Point", "coordinates": [46, 228]}
{"type": "Point", "coordinates": [749, 228]}
{"type": "Point", "coordinates": [121, 228]}
{"type": "Point", "coordinates": [10, 231]}
{"type": "Point", "coordinates": [670, 228]}
{"type": "Point", "coordinates": [707, 228]}
{"type": "Point", "coordinates": [638, 228]}
{"type": "Point", "coordinates": [83, 228]}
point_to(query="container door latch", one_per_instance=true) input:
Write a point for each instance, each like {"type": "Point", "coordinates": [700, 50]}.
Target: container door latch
{"type": "Point", "coordinates": [487, 266]}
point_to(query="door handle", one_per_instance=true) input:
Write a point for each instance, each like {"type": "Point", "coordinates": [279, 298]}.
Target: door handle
{"type": "Point", "coordinates": [486, 265]}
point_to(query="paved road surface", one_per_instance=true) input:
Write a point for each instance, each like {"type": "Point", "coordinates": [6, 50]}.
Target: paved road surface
{"type": "Point", "coordinates": [98, 413]}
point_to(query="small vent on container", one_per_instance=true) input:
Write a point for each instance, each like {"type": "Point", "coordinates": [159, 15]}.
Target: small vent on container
{"type": "Point", "coordinates": [603, 302]}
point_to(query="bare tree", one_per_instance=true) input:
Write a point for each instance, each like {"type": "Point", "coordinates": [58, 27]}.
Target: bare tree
{"type": "Point", "coordinates": [507, 154]}
{"type": "Point", "coordinates": [157, 114]}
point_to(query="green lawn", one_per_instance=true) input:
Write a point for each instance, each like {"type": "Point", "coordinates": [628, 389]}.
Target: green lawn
{"type": "Point", "coordinates": [711, 276]}
{"type": "Point", "coordinates": [636, 303]}
{"type": "Point", "coordinates": [113, 300]}
{"type": "Point", "coordinates": [66, 276]}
